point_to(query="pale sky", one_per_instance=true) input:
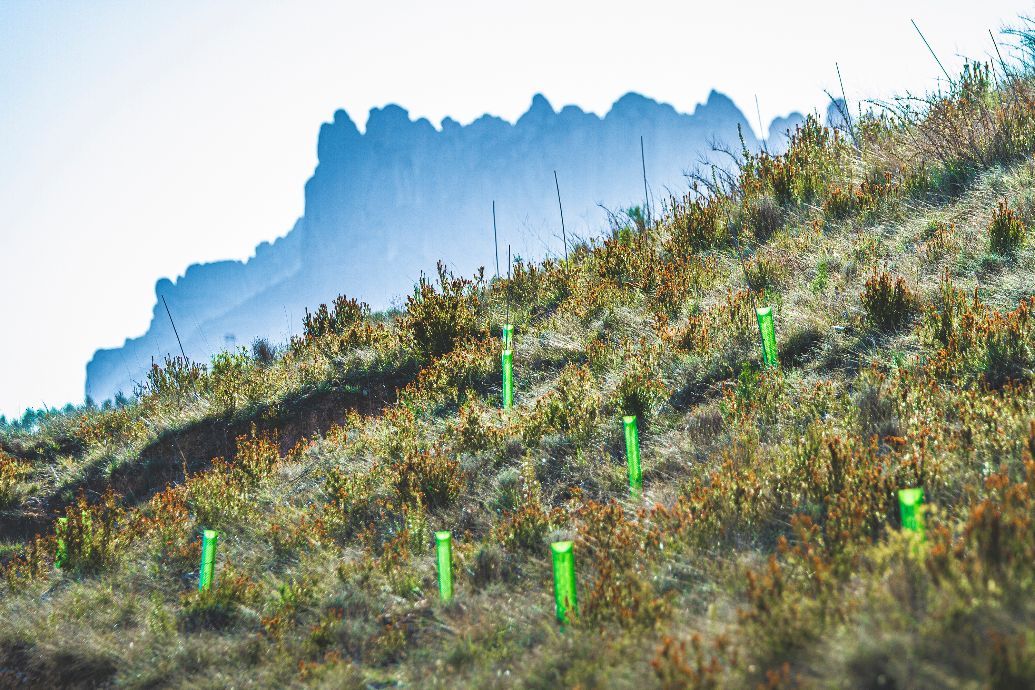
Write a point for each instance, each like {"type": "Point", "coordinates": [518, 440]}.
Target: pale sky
{"type": "Point", "coordinates": [139, 137]}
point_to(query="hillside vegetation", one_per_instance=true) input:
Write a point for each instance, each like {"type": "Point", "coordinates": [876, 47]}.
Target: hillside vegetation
{"type": "Point", "coordinates": [766, 549]}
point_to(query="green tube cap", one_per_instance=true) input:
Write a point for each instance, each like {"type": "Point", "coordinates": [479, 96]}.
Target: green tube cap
{"type": "Point", "coordinates": [444, 558]}
{"type": "Point", "coordinates": [564, 581]}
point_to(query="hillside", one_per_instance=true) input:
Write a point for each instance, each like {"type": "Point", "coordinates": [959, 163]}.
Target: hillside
{"type": "Point", "coordinates": [386, 204]}
{"type": "Point", "coordinates": [767, 547]}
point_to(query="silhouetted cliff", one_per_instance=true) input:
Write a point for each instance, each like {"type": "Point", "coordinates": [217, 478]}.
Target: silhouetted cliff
{"type": "Point", "coordinates": [384, 205]}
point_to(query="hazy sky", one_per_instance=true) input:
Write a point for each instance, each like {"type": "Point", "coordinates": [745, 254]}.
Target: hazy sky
{"type": "Point", "coordinates": [139, 137]}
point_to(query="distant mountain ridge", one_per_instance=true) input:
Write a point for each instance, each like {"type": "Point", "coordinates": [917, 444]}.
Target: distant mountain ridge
{"type": "Point", "coordinates": [384, 205]}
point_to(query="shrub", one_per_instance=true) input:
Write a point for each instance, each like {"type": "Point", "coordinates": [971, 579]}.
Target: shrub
{"type": "Point", "coordinates": [680, 667]}
{"type": "Point", "coordinates": [12, 471]}
{"type": "Point", "coordinates": [800, 175]}
{"type": "Point", "coordinates": [762, 273]}
{"type": "Point", "coordinates": [620, 560]}
{"type": "Point", "coordinates": [474, 429]}
{"type": "Point", "coordinates": [640, 391]}
{"type": "Point", "coordinates": [764, 217]}
{"type": "Point", "coordinates": [178, 378]}
{"type": "Point", "coordinates": [976, 339]}
{"type": "Point", "coordinates": [357, 499]}
{"type": "Point", "coordinates": [263, 352]}
{"type": "Point", "coordinates": [345, 314]}
{"type": "Point", "coordinates": [432, 479]}
{"type": "Point", "coordinates": [628, 259]}
{"type": "Point", "coordinates": [537, 288]}
{"type": "Point", "coordinates": [93, 535]}
{"type": "Point", "coordinates": [227, 490]}
{"type": "Point", "coordinates": [526, 528]}
{"type": "Point", "coordinates": [696, 224]}
{"type": "Point", "coordinates": [940, 240]}
{"type": "Point", "coordinates": [220, 605]}
{"type": "Point", "coordinates": [437, 320]}
{"type": "Point", "coordinates": [839, 204]}
{"type": "Point", "coordinates": [1006, 230]}
{"type": "Point", "coordinates": [449, 378]}
{"type": "Point", "coordinates": [31, 565]}
{"type": "Point", "coordinates": [168, 522]}
{"type": "Point", "coordinates": [571, 408]}
{"type": "Point", "coordinates": [889, 304]}
{"type": "Point", "coordinates": [227, 381]}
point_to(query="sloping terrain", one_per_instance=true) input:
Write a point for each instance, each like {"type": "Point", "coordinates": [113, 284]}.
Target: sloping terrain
{"type": "Point", "coordinates": [384, 205]}
{"type": "Point", "coordinates": [767, 547]}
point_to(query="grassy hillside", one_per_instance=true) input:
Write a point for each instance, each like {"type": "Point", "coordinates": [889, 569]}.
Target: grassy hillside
{"type": "Point", "coordinates": [767, 548]}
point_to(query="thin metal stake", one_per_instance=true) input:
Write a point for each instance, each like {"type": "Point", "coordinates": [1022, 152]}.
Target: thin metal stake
{"type": "Point", "coordinates": [944, 71]}
{"type": "Point", "coordinates": [495, 240]}
{"type": "Point", "coordinates": [646, 194]}
{"type": "Point", "coordinates": [175, 332]}
{"type": "Point", "coordinates": [564, 234]}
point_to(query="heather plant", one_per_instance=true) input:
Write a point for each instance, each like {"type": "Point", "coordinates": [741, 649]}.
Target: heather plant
{"type": "Point", "coordinates": [427, 478]}
{"type": "Point", "coordinates": [264, 352]}
{"type": "Point", "coordinates": [526, 527]}
{"type": "Point", "coordinates": [12, 472]}
{"type": "Point", "coordinates": [221, 605]}
{"type": "Point", "coordinates": [457, 374]}
{"type": "Point", "coordinates": [696, 666]}
{"type": "Point", "coordinates": [977, 340]}
{"type": "Point", "coordinates": [801, 174]}
{"type": "Point", "coordinates": [762, 273]}
{"type": "Point", "coordinates": [696, 224]}
{"type": "Point", "coordinates": [229, 378]}
{"type": "Point", "coordinates": [620, 590]}
{"type": "Point", "coordinates": [641, 391]}
{"type": "Point", "coordinates": [92, 536]}
{"type": "Point", "coordinates": [344, 314]}
{"type": "Point", "coordinates": [889, 304]}
{"type": "Point", "coordinates": [475, 428]}
{"type": "Point", "coordinates": [227, 490]}
{"type": "Point", "coordinates": [572, 408]}
{"type": "Point", "coordinates": [177, 379]}
{"type": "Point", "coordinates": [438, 318]}
{"type": "Point", "coordinates": [1006, 231]}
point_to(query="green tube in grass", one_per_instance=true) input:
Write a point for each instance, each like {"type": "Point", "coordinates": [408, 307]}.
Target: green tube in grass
{"type": "Point", "coordinates": [61, 551]}
{"type": "Point", "coordinates": [768, 331]}
{"type": "Point", "coordinates": [207, 571]}
{"type": "Point", "coordinates": [632, 455]}
{"type": "Point", "coordinates": [911, 505]}
{"type": "Point", "coordinates": [564, 581]}
{"type": "Point", "coordinates": [508, 336]}
{"type": "Point", "coordinates": [508, 379]}
{"type": "Point", "coordinates": [444, 554]}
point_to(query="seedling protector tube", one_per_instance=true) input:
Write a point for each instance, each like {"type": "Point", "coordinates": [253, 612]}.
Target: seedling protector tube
{"type": "Point", "coordinates": [208, 559]}
{"type": "Point", "coordinates": [61, 552]}
{"type": "Point", "coordinates": [508, 379]}
{"type": "Point", "coordinates": [564, 580]}
{"type": "Point", "coordinates": [508, 335]}
{"type": "Point", "coordinates": [768, 331]}
{"type": "Point", "coordinates": [444, 552]}
{"type": "Point", "coordinates": [632, 455]}
{"type": "Point", "coordinates": [910, 503]}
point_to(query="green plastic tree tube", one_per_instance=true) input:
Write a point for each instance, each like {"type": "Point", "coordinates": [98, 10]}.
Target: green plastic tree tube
{"type": "Point", "coordinates": [508, 379]}
{"type": "Point", "coordinates": [564, 580]}
{"type": "Point", "coordinates": [208, 559]}
{"type": "Point", "coordinates": [632, 455]}
{"type": "Point", "coordinates": [910, 503]}
{"type": "Point", "coordinates": [444, 552]}
{"type": "Point", "coordinates": [61, 552]}
{"type": "Point", "coordinates": [768, 331]}
{"type": "Point", "coordinates": [508, 335]}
